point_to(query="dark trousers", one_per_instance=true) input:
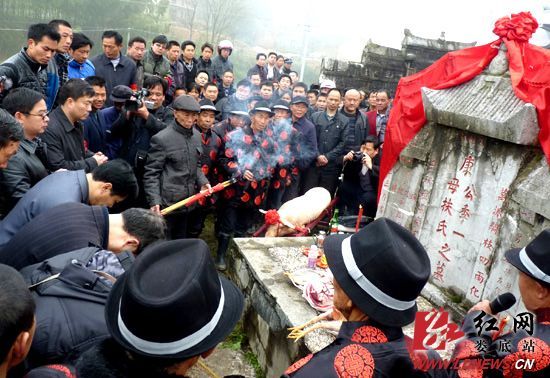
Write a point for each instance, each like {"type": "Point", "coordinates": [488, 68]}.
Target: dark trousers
{"type": "Point", "coordinates": [177, 225]}
{"type": "Point", "coordinates": [196, 220]}
{"type": "Point", "coordinates": [233, 221]}
{"type": "Point", "coordinates": [294, 189]}
{"type": "Point", "coordinates": [351, 196]}
{"type": "Point", "coordinates": [275, 198]}
{"type": "Point", "coordinates": [323, 177]}
{"type": "Point", "coordinates": [368, 201]}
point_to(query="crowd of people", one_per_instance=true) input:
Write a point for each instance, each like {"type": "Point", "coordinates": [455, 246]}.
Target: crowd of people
{"type": "Point", "coordinates": [93, 149]}
{"type": "Point", "coordinates": [182, 125]}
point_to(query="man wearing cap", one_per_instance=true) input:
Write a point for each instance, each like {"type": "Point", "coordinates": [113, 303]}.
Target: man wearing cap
{"type": "Point", "coordinates": [529, 343]}
{"type": "Point", "coordinates": [286, 138]}
{"type": "Point", "coordinates": [136, 127]}
{"type": "Point", "coordinates": [287, 67]}
{"type": "Point", "coordinates": [221, 62]}
{"type": "Point", "coordinates": [330, 127]}
{"type": "Point", "coordinates": [306, 145]}
{"type": "Point", "coordinates": [118, 97]}
{"type": "Point", "coordinates": [211, 144]}
{"type": "Point", "coordinates": [172, 171]}
{"type": "Point", "coordinates": [248, 157]}
{"type": "Point", "coordinates": [378, 274]}
{"type": "Point", "coordinates": [326, 86]}
{"type": "Point", "coordinates": [236, 119]}
{"type": "Point", "coordinates": [161, 327]}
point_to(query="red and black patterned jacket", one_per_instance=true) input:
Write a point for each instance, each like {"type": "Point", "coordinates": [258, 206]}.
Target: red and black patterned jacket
{"type": "Point", "coordinates": [362, 349]}
{"type": "Point", "coordinates": [286, 151]}
{"type": "Point", "coordinates": [208, 161]}
{"type": "Point", "coordinates": [244, 150]}
{"type": "Point", "coordinates": [508, 353]}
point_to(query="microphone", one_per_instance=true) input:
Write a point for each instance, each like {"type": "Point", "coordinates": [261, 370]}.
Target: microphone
{"type": "Point", "coordinates": [502, 302]}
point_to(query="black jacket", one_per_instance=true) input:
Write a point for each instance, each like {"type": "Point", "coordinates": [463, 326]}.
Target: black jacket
{"type": "Point", "coordinates": [224, 92]}
{"type": "Point", "coordinates": [66, 144]}
{"type": "Point", "coordinates": [189, 72]}
{"type": "Point", "coordinates": [220, 65]}
{"type": "Point", "coordinates": [70, 309]}
{"type": "Point", "coordinates": [331, 137]}
{"type": "Point", "coordinates": [24, 170]}
{"type": "Point", "coordinates": [109, 360]}
{"type": "Point", "coordinates": [366, 182]}
{"type": "Point", "coordinates": [203, 65]}
{"type": "Point", "coordinates": [136, 134]}
{"type": "Point", "coordinates": [173, 171]}
{"type": "Point", "coordinates": [123, 74]}
{"type": "Point", "coordinates": [24, 72]}
{"type": "Point", "coordinates": [363, 349]}
{"type": "Point", "coordinates": [356, 132]}
{"type": "Point", "coordinates": [507, 349]}
{"type": "Point", "coordinates": [258, 70]}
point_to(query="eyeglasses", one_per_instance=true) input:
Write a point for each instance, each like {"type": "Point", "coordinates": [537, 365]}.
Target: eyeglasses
{"type": "Point", "coordinates": [42, 115]}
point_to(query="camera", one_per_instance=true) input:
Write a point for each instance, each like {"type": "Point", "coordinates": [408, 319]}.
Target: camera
{"type": "Point", "coordinates": [357, 156]}
{"type": "Point", "coordinates": [137, 101]}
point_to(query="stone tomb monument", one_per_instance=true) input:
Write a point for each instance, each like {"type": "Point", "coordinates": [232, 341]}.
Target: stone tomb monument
{"type": "Point", "coordinates": [472, 184]}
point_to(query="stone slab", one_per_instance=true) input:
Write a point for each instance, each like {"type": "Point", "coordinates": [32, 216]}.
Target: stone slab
{"type": "Point", "coordinates": [273, 304]}
{"type": "Point", "coordinates": [486, 105]}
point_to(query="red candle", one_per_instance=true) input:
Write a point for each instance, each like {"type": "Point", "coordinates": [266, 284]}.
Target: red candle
{"type": "Point", "coordinates": [359, 216]}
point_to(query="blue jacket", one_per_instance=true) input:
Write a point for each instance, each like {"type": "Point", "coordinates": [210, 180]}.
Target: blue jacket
{"type": "Point", "coordinates": [58, 63]}
{"type": "Point", "coordinates": [53, 190]}
{"type": "Point", "coordinates": [81, 71]}
{"type": "Point", "coordinates": [114, 144]}
{"type": "Point", "coordinates": [95, 129]}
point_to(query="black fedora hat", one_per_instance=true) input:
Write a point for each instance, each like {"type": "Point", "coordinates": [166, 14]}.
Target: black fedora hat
{"type": "Point", "coordinates": [534, 259]}
{"type": "Point", "coordinates": [172, 303]}
{"type": "Point", "coordinates": [382, 269]}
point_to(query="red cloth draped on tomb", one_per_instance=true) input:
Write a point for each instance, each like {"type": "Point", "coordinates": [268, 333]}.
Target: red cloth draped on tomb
{"type": "Point", "coordinates": [529, 71]}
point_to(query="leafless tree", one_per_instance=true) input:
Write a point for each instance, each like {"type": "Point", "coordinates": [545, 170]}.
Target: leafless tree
{"type": "Point", "coordinates": [221, 17]}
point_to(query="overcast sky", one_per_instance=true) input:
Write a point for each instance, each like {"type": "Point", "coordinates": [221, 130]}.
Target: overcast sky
{"type": "Point", "coordinates": [384, 21]}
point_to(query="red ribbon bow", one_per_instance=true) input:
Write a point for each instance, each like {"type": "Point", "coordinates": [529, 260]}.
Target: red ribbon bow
{"type": "Point", "coordinates": [272, 217]}
{"type": "Point", "coordinates": [518, 27]}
